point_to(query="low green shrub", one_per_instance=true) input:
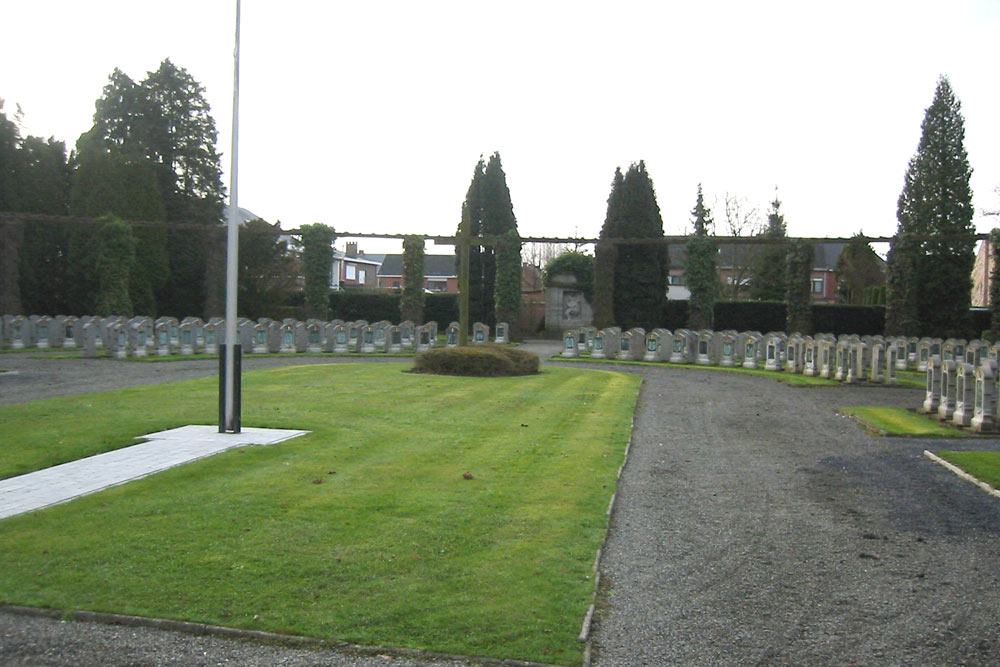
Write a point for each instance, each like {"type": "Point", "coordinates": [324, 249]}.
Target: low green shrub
{"type": "Point", "coordinates": [477, 361]}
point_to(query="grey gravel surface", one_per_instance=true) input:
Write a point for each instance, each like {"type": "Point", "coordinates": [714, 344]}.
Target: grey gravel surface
{"type": "Point", "coordinates": [752, 526]}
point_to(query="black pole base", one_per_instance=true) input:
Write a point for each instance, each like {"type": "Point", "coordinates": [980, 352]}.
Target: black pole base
{"type": "Point", "coordinates": [237, 389]}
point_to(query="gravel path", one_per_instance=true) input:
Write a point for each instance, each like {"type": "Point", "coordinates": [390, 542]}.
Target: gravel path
{"type": "Point", "coordinates": [752, 526]}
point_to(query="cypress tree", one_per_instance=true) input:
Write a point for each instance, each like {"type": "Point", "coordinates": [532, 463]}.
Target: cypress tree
{"type": "Point", "coordinates": [317, 262]}
{"type": "Point", "coordinates": [700, 269]}
{"type": "Point", "coordinates": [767, 282]}
{"type": "Point", "coordinates": [798, 277]}
{"type": "Point", "coordinates": [604, 285]}
{"type": "Point", "coordinates": [115, 257]}
{"type": "Point", "coordinates": [490, 214]}
{"type": "Point", "coordinates": [930, 289]}
{"type": "Point", "coordinates": [508, 282]}
{"type": "Point", "coordinates": [640, 269]}
{"type": "Point", "coordinates": [411, 301]}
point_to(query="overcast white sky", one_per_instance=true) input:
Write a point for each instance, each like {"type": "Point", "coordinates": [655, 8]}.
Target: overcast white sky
{"type": "Point", "coordinates": [370, 116]}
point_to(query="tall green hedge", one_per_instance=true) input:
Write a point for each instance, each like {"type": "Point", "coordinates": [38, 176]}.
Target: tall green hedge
{"type": "Point", "coordinates": [847, 319]}
{"type": "Point", "coordinates": [760, 316]}
{"type": "Point", "coordinates": [373, 306]}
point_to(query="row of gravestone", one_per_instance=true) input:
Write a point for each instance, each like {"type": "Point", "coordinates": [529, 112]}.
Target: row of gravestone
{"type": "Point", "coordinates": [142, 336]}
{"type": "Point", "coordinates": [845, 358]}
{"type": "Point", "coordinates": [963, 393]}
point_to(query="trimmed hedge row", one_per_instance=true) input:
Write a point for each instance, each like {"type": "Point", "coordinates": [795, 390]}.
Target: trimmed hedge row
{"type": "Point", "coordinates": [477, 361]}
{"type": "Point", "coordinates": [373, 306]}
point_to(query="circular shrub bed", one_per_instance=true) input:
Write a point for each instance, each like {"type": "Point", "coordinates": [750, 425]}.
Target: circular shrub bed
{"type": "Point", "coordinates": [477, 361]}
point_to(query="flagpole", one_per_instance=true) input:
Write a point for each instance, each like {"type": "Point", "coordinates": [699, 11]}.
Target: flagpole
{"type": "Point", "coordinates": [232, 419]}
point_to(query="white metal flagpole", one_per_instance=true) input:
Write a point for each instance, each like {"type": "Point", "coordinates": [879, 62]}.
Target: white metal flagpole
{"type": "Point", "coordinates": [232, 248]}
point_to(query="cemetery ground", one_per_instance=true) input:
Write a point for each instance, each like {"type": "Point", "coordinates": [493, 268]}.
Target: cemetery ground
{"type": "Point", "coordinates": [460, 515]}
{"type": "Point", "coordinates": [753, 524]}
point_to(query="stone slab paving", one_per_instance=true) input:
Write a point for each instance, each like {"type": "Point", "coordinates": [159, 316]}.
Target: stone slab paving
{"type": "Point", "coordinates": [163, 450]}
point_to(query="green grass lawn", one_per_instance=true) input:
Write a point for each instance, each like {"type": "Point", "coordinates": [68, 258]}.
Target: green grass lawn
{"type": "Point", "coordinates": [984, 466]}
{"type": "Point", "coordinates": [900, 422]}
{"type": "Point", "coordinates": [365, 530]}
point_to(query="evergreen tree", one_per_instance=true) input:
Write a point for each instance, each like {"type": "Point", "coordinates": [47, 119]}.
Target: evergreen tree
{"type": "Point", "coordinates": [994, 250]}
{"type": "Point", "coordinates": [490, 214]}
{"type": "Point", "coordinates": [798, 283]}
{"type": "Point", "coordinates": [115, 258]}
{"type": "Point", "coordinates": [604, 284]}
{"type": "Point", "coordinates": [267, 274]}
{"type": "Point", "coordinates": [640, 269]}
{"type": "Point", "coordinates": [701, 272]}
{"type": "Point", "coordinates": [858, 269]}
{"type": "Point", "coordinates": [472, 214]}
{"type": "Point", "coordinates": [411, 301]}
{"type": "Point", "coordinates": [164, 121]}
{"type": "Point", "coordinates": [935, 204]}
{"type": "Point", "coordinates": [41, 184]}
{"type": "Point", "coordinates": [767, 281]}
{"type": "Point", "coordinates": [10, 142]}
{"type": "Point", "coordinates": [107, 182]}
{"type": "Point", "coordinates": [317, 263]}
{"type": "Point", "coordinates": [507, 294]}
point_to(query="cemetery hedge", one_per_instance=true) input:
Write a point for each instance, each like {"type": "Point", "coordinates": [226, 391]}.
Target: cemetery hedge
{"type": "Point", "coordinates": [373, 306]}
{"type": "Point", "coordinates": [847, 319]}
{"type": "Point", "coordinates": [760, 316]}
{"type": "Point", "coordinates": [477, 361]}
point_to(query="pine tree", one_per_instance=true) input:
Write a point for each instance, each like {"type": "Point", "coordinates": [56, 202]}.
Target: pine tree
{"type": "Point", "coordinates": [767, 282]}
{"type": "Point", "coordinates": [934, 279]}
{"type": "Point", "coordinates": [701, 272]}
{"type": "Point", "coordinates": [640, 269]}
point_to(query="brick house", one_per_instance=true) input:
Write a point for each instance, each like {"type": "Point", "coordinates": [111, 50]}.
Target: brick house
{"type": "Point", "coordinates": [440, 273]}
{"type": "Point", "coordinates": [353, 269]}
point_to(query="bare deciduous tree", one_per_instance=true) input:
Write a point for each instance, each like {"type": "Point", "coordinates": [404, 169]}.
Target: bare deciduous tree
{"type": "Point", "coordinates": [742, 220]}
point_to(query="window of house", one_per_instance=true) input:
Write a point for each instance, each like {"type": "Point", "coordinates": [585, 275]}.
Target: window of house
{"type": "Point", "coordinates": [361, 276]}
{"type": "Point", "coordinates": [817, 285]}
{"type": "Point", "coordinates": [395, 283]}
{"type": "Point", "coordinates": [437, 285]}
{"type": "Point", "coordinates": [675, 280]}
{"type": "Point", "coordinates": [350, 272]}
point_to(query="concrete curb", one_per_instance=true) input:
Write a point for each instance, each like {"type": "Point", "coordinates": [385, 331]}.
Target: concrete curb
{"type": "Point", "coordinates": [191, 628]}
{"type": "Point", "coordinates": [961, 473]}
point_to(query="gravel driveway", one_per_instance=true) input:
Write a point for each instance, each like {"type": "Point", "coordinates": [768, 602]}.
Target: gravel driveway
{"type": "Point", "coordinates": [752, 526]}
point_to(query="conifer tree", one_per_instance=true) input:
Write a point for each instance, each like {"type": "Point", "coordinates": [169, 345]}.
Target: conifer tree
{"type": "Point", "coordinates": [317, 262]}
{"type": "Point", "coordinates": [700, 269]}
{"type": "Point", "coordinates": [507, 294]}
{"type": "Point", "coordinates": [490, 214]}
{"type": "Point", "coordinates": [930, 282]}
{"type": "Point", "coordinates": [115, 258]}
{"type": "Point", "coordinates": [767, 282]}
{"type": "Point", "coordinates": [798, 278]}
{"type": "Point", "coordinates": [411, 301]}
{"type": "Point", "coordinates": [858, 269]}
{"type": "Point", "coordinates": [640, 269]}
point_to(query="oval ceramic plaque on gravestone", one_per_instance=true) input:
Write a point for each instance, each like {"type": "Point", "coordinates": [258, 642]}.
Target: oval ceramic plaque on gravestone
{"type": "Point", "coordinates": [341, 336]}
{"type": "Point", "coordinates": [479, 335]}
{"type": "Point", "coordinates": [651, 344]}
{"type": "Point", "coordinates": [570, 341]}
{"type": "Point", "coordinates": [599, 342]}
{"type": "Point", "coordinates": [727, 348]}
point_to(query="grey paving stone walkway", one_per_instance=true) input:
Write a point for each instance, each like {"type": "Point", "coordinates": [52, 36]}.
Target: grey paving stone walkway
{"type": "Point", "coordinates": [163, 450]}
